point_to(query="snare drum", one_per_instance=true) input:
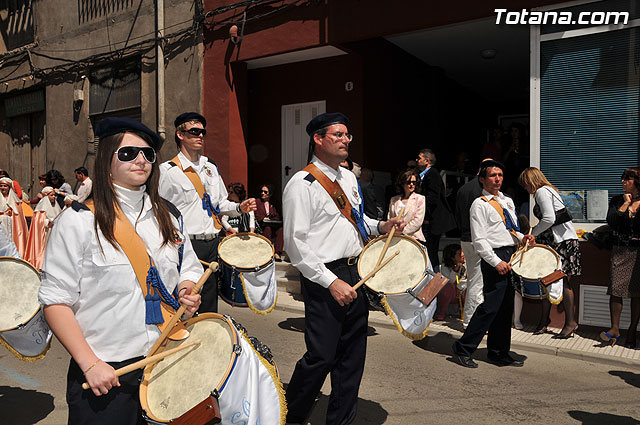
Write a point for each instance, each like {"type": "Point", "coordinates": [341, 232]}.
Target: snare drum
{"type": "Point", "coordinates": [403, 272]}
{"type": "Point", "coordinates": [248, 271]}
{"type": "Point", "coordinates": [225, 363]}
{"type": "Point", "coordinates": [23, 329]}
{"type": "Point", "coordinates": [539, 261]}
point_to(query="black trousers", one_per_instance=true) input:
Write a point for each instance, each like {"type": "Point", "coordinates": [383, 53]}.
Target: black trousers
{"type": "Point", "coordinates": [336, 339]}
{"type": "Point", "coordinates": [433, 245]}
{"type": "Point", "coordinates": [494, 314]}
{"type": "Point", "coordinates": [120, 406]}
{"type": "Point", "coordinates": [208, 251]}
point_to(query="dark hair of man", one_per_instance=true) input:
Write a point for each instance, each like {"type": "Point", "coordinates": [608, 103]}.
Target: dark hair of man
{"type": "Point", "coordinates": [449, 254]}
{"type": "Point", "coordinates": [404, 177]}
{"type": "Point", "coordinates": [483, 170]}
{"type": "Point", "coordinates": [182, 128]}
{"type": "Point", "coordinates": [633, 173]}
{"type": "Point", "coordinates": [105, 198]}
{"type": "Point", "coordinates": [81, 170]}
{"type": "Point", "coordinates": [312, 143]}
{"type": "Point", "coordinates": [55, 174]}
{"type": "Point", "coordinates": [428, 153]}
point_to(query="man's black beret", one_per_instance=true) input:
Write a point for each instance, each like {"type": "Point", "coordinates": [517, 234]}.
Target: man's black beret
{"type": "Point", "coordinates": [492, 163]}
{"type": "Point", "coordinates": [189, 116]}
{"type": "Point", "coordinates": [114, 125]}
{"type": "Point", "coordinates": [325, 120]}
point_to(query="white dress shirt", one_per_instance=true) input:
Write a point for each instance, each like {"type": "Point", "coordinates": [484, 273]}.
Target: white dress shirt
{"type": "Point", "coordinates": [315, 231]}
{"type": "Point", "coordinates": [549, 202]}
{"type": "Point", "coordinates": [488, 231]}
{"type": "Point", "coordinates": [84, 190]}
{"type": "Point", "coordinates": [176, 187]}
{"type": "Point", "coordinates": [100, 285]}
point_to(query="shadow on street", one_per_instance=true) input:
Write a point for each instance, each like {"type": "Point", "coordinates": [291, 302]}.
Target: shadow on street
{"type": "Point", "coordinates": [630, 378]}
{"type": "Point", "coordinates": [40, 405]}
{"type": "Point", "coordinates": [588, 418]}
{"type": "Point", "coordinates": [369, 412]}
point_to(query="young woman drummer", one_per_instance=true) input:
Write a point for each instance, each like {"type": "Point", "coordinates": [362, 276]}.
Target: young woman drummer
{"type": "Point", "coordinates": [93, 299]}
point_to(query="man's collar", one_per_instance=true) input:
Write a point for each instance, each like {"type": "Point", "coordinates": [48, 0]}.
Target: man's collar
{"type": "Point", "coordinates": [182, 157]}
{"type": "Point", "coordinates": [490, 196]}
{"type": "Point", "coordinates": [424, 172]}
{"type": "Point", "coordinates": [327, 170]}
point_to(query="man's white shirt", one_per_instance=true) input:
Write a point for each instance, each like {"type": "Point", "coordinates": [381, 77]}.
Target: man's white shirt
{"type": "Point", "coordinates": [84, 190]}
{"type": "Point", "coordinates": [315, 231]}
{"type": "Point", "coordinates": [176, 188]}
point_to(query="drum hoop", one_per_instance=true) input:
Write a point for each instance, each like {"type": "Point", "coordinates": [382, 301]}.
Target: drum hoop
{"type": "Point", "coordinates": [250, 234]}
{"type": "Point", "coordinates": [538, 245]}
{"type": "Point", "coordinates": [232, 362]}
{"type": "Point", "coordinates": [30, 266]}
{"type": "Point", "coordinates": [410, 239]}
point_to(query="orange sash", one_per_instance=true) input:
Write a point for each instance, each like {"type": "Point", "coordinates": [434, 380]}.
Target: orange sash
{"type": "Point", "coordinates": [496, 206]}
{"type": "Point", "coordinates": [197, 183]}
{"type": "Point", "coordinates": [336, 193]}
{"type": "Point", "coordinates": [136, 252]}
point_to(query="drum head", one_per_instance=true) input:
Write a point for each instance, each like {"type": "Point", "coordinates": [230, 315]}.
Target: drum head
{"type": "Point", "coordinates": [180, 381]}
{"type": "Point", "coordinates": [405, 271]}
{"type": "Point", "coordinates": [246, 251]}
{"type": "Point", "coordinates": [19, 285]}
{"type": "Point", "coordinates": [539, 261]}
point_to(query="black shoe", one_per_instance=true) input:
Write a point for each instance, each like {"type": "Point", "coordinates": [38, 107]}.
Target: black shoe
{"type": "Point", "coordinates": [505, 360]}
{"type": "Point", "coordinates": [463, 360]}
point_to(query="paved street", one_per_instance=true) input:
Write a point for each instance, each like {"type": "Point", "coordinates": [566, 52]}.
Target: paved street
{"type": "Point", "coordinates": [405, 382]}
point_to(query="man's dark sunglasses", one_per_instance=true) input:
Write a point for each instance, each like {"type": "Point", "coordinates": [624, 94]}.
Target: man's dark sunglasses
{"type": "Point", "coordinates": [196, 131]}
{"type": "Point", "coordinates": [129, 153]}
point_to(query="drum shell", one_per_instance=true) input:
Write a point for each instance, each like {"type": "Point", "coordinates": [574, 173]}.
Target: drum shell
{"type": "Point", "coordinates": [227, 259]}
{"type": "Point", "coordinates": [31, 340]}
{"type": "Point", "coordinates": [231, 289]}
{"type": "Point", "coordinates": [529, 286]}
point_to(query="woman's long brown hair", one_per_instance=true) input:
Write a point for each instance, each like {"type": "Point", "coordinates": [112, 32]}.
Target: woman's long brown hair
{"type": "Point", "coordinates": [105, 198]}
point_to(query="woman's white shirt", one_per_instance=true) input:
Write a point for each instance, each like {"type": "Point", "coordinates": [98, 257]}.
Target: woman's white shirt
{"type": "Point", "coordinates": [549, 201]}
{"type": "Point", "coordinates": [101, 286]}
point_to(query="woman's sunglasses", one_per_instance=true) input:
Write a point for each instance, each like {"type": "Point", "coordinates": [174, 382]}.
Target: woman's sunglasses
{"type": "Point", "coordinates": [129, 153]}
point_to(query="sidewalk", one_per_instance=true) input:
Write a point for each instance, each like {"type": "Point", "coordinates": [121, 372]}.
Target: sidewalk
{"type": "Point", "coordinates": [585, 345]}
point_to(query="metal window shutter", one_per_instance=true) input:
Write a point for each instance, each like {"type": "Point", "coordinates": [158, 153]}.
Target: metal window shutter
{"type": "Point", "coordinates": [594, 308]}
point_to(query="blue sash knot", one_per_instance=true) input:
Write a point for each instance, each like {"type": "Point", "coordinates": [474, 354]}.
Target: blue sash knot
{"type": "Point", "coordinates": [153, 313]}
{"type": "Point", "coordinates": [206, 205]}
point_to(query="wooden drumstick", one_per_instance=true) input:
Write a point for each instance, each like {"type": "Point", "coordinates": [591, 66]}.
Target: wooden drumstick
{"type": "Point", "coordinates": [196, 289]}
{"type": "Point", "coordinates": [147, 360]}
{"type": "Point", "coordinates": [388, 241]}
{"type": "Point", "coordinates": [526, 246]}
{"type": "Point", "coordinates": [375, 270]}
{"type": "Point", "coordinates": [215, 265]}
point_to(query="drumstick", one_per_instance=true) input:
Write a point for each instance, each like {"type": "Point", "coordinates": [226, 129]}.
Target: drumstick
{"type": "Point", "coordinates": [526, 245]}
{"type": "Point", "coordinates": [391, 233]}
{"type": "Point", "coordinates": [375, 270]}
{"type": "Point", "coordinates": [151, 359]}
{"type": "Point", "coordinates": [196, 289]}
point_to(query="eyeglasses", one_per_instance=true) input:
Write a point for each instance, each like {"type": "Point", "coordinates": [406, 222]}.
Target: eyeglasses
{"type": "Point", "coordinates": [265, 191]}
{"type": "Point", "coordinates": [412, 182]}
{"type": "Point", "coordinates": [340, 135]}
{"type": "Point", "coordinates": [196, 131]}
{"type": "Point", "coordinates": [129, 153]}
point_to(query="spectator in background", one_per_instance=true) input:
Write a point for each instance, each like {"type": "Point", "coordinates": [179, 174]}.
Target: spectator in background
{"type": "Point", "coordinates": [412, 202]}
{"type": "Point", "coordinates": [372, 195]}
{"type": "Point", "coordinates": [12, 216]}
{"type": "Point", "coordinates": [493, 146]}
{"type": "Point", "coordinates": [624, 219]}
{"type": "Point", "coordinates": [14, 185]}
{"type": "Point", "coordinates": [438, 217]}
{"type": "Point", "coordinates": [269, 219]}
{"type": "Point", "coordinates": [84, 189]}
{"type": "Point", "coordinates": [455, 270]}
{"type": "Point", "coordinates": [245, 222]}
{"type": "Point", "coordinates": [42, 178]}
{"type": "Point", "coordinates": [56, 180]}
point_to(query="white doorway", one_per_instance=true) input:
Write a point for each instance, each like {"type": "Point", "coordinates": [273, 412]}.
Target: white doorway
{"type": "Point", "coordinates": [295, 141]}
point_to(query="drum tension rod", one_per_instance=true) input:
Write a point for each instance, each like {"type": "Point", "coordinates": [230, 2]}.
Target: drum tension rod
{"type": "Point", "coordinates": [237, 349]}
{"type": "Point", "coordinates": [215, 393]}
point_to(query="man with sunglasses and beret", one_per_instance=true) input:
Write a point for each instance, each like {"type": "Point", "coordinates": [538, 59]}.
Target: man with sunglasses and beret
{"type": "Point", "coordinates": [324, 232]}
{"type": "Point", "coordinates": [191, 182]}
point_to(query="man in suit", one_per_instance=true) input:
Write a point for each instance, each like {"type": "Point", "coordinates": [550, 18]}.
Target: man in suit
{"type": "Point", "coordinates": [438, 217]}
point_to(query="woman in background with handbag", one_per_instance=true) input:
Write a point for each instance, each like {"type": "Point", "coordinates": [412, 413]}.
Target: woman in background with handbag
{"type": "Point", "coordinates": [554, 229]}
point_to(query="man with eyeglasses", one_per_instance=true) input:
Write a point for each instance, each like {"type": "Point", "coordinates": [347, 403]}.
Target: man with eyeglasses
{"type": "Point", "coordinates": [192, 183]}
{"type": "Point", "coordinates": [438, 217]}
{"type": "Point", "coordinates": [325, 231]}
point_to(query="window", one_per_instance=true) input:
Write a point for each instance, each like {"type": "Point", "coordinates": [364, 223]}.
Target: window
{"type": "Point", "coordinates": [115, 91]}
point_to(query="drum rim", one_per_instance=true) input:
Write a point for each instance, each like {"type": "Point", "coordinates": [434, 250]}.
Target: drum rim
{"type": "Point", "coordinates": [537, 245]}
{"type": "Point", "coordinates": [142, 392]}
{"type": "Point", "coordinates": [30, 266]}
{"type": "Point", "coordinates": [410, 239]}
{"type": "Point", "coordinates": [250, 234]}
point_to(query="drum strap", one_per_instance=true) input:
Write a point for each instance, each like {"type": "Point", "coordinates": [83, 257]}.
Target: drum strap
{"type": "Point", "coordinates": [506, 219]}
{"type": "Point", "coordinates": [342, 202]}
{"type": "Point", "coordinates": [157, 298]}
{"type": "Point", "coordinates": [202, 193]}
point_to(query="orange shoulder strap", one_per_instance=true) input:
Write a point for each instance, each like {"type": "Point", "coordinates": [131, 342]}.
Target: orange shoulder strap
{"type": "Point", "coordinates": [496, 206]}
{"type": "Point", "coordinates": [335, 191]}
{"type": "Point", "coordinates": [136, 252]}
{"type": "Point", "coordinates": [197, 183]}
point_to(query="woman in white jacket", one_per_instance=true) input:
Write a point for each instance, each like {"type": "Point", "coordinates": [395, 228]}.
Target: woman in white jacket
{"type": "Point", "coordinates": [407, 185]}
{"type": "Point", "coordinates": [554, 229]}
